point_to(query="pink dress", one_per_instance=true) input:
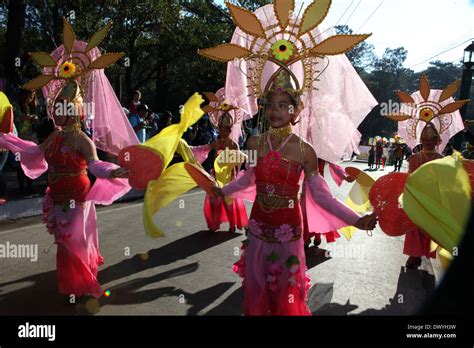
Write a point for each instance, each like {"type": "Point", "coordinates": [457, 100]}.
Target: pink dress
{"type": "Point", "coordinates": [273, 263]}
{"type": "Point", "coordinates": [68, 209]}
{"type": "Point", "coordinates": [217, 212]}
{"type": "Point", "coordinates": [417, 243]}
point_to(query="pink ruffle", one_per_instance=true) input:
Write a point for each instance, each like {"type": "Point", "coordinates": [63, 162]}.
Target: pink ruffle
{"type": "Point", "coordinates": [324, 212]}
{"type": "Point", "coordinates": [338, 174]}
{"type": "Point", "coordinates": [106, 190]}
{"type": "Point", "coordinates": [32, 159]}
{"type": "Point", "coordinates": [200, 152]}
{"type": "Point", "coordinates": [243, 186]}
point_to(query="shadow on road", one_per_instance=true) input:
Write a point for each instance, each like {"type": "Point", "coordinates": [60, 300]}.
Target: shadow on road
{"type": "Point", "coordinates": [127, 294]}
{"type": "Point", "coordinates": [414, 287]}
{"type": "Point", "coordinates": [232, 305]}
{"type": "Point", "coordinates": [169, 253]}
{"type": "Point", "coordinates": [316, 256]}
{"type": "Point", "coordinates": [39, 295]}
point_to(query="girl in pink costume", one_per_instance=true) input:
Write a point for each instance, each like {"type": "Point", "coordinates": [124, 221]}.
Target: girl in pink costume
{"type": "Point", "coordinates": [278, 56]}
{"type": "Point", "coordinates": [273, 264]}
{"type": "Point", "coordinates": [417, 243]}
{"type": "Point", "coordinates": [216, 211]}
{"type": "Point", "coordinates": [73, 76]}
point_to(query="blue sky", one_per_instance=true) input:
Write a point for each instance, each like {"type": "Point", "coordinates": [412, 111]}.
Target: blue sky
{"type": "Point", "coordinates": [425, 28]}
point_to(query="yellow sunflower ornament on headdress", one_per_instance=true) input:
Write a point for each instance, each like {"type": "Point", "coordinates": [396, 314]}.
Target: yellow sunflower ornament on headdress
{"type": "Point", "coordinates": [68, 70]}
{"type": "Point", "coordinates": [282, 50]}
{"type": "Point", "coordinates": [74, 63]}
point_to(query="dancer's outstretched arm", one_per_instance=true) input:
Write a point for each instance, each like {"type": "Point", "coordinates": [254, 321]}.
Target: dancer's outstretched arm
{"type": "Point", "coordinates": [99, 168]}
{"type": "Point", "coordinates": [323, 197]}
{"type": "Point", "coordinates": [29, 154]}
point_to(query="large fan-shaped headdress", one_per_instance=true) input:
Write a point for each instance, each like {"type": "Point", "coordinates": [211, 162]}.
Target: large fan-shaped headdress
{"type": "Point", "coordinates": [280, 47]}
{"type": "Point", "coordinates": [429, 107]}
{"type": "Point", "coordinates": [284, 43]}
{"type": "Point", "coordinates": [74, 72]}
{"type": "Point", "coordinates": [75, 63]}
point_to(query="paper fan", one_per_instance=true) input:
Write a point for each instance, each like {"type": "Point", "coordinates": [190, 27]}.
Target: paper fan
{"type": "Point", "coordinates": [384, 199]}
{"type": "Point", "coordinates": [144, 165]}
{"type": "Point", "coordinates": [201, 177]}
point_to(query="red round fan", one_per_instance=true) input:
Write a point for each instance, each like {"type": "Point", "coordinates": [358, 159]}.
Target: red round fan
{"type": "Point", "coordinates": [6, 124]}
{"type": "Point", "coordinates": [144, 165]}
{"type": "Point", "coordinates": [384, 199]}
{"type": "Point", "coordinates": [201, 177]}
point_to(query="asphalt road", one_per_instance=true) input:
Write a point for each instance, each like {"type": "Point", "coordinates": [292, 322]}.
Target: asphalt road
{"type": "Point", "coordinates": [189, 272]}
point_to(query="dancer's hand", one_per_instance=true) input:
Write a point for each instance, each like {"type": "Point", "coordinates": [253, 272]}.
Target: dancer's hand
{"type": "Point", "coordinates": [218, 191]}
{"type": "Point", "coordinates": [349, 179]}
{"type": "Point", "coordinates": [120, 173]}
{"type": "Point", "coordinates": [367, 222]}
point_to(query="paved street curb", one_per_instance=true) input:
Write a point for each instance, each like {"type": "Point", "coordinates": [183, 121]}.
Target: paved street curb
{"type": "Point", "coordinates": [29, 207]}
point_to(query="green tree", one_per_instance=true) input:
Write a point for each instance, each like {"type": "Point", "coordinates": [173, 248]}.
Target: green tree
{"type": "Point", "coordinates": [387, 76]}
{"type": "Point", "coordinates": [363, 56]}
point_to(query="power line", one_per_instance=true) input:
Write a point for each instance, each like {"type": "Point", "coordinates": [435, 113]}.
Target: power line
{"type": "Point", "coordinates": [348, 7]}
{"type": "Point", "coordinates": [450, 49]}
{"type": "Point", "coordinates": [370, 16]}
{"type": "Point", "coordinates": [335, 25]}
{"type": "Point", "coordinates": [457, 38]}
{"type": "Point", "coordinates": [358, 4]}
{"type": "Point", "coordinates": [453, 42]}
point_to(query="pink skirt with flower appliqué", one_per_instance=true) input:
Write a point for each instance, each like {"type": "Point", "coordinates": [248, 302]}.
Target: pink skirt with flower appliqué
{"type": "Point", "coordinates": [76, 236]}
{"type": "Point", "coordinates": [275, 280]}
{"type": "Point", "coordinates": [217, 212]}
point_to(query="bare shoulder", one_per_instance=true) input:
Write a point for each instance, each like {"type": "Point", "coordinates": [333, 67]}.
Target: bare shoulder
{"type": "Point", "coordinates": [305, 146]}
{"type": "Point", "coordinates": [252, 142]}
{"type": "Point", "coordinates": [45, 144]}
{"type": "Point", "coordinates": [85, 140]}
{"type": "Point", "coordinates": [235, 146]}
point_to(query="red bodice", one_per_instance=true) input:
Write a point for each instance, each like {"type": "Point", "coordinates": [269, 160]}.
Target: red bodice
{"type": "Point", "coordinates": [67, 174]}
{"type": "Point", "coordinates": [277, 181]}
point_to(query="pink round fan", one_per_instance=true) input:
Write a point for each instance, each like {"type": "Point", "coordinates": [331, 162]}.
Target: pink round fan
{"type": "Point", "coordinates": [384, 199]}
{"type": "Point", "coordinates": [201, 177]}
{"type": "Point", "coordinates": [144, 165]}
